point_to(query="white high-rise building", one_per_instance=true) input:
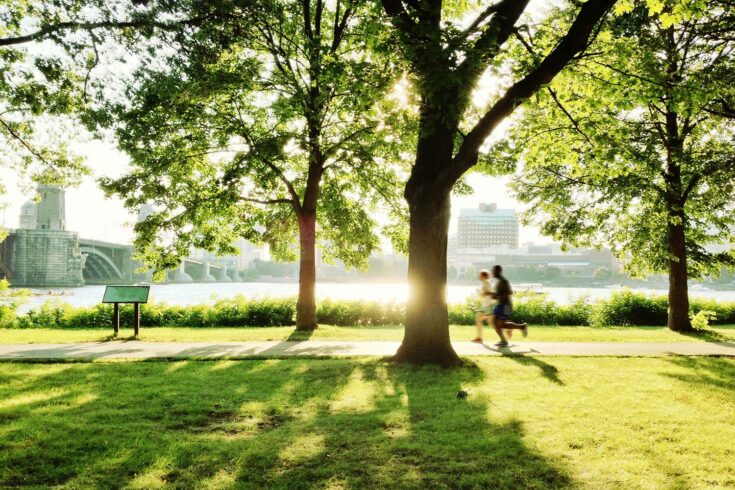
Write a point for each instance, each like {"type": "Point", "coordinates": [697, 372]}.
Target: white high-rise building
{"type": "Point", "coordinates": [487, 228]}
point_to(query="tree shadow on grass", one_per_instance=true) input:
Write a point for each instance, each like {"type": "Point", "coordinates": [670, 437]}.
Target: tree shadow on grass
{"type": "Point", "coordinates": [414, 432]}
{"type": "Point", "coordinates": [715, 372]}
{"type": "Point", "coordinates": [549, 371]}
{"type": "Point", "coordinates": [265, 424]}
{"type": "Point", "coordinates": [710, 336]}
{"type": "Point", "coordinates": [300, 335]}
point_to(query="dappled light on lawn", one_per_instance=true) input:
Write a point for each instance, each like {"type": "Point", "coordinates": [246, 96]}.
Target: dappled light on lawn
{"type": "Point", "coordinates": [537, 423]}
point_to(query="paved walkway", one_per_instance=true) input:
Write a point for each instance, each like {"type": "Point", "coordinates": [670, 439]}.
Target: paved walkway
{"type": "Point", "coordinates": [339, 348]}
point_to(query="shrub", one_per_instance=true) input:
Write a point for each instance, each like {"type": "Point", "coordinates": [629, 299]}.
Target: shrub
{"type": "Point", "coordinates": [701, 320]}
{"type": "Point", "coordinates": [462, 314]}
{"type": "Point", "coordinates": [627, 308]}
{"type": "Point", "coordinates": [724, 311]}
{"type": "Point", "coordinates": [7, 316]}
{"type": "Point", "coordinates": [536, 309]}
{"type": "Point", "coordinates": [622, 308]}
{"type": "Point", "coordinates": [345, 313]}
{"type": "Point", "coordinates": [575, 314]}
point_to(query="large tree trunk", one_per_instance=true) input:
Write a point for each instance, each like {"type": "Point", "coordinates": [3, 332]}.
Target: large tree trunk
{"type": "Point", "coordinates": [426, 337]}
{"type": "Point", "coordinates": [678, 319]}
{"type": "Point", "coordinates": [306, 304]}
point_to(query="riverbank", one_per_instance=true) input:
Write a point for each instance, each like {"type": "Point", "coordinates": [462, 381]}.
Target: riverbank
{"type": "Point", "coordinates": [209, 293]}
{"type": "Point", "coordinates": [621, 309]}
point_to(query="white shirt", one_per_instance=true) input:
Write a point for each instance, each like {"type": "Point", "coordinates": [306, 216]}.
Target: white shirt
{"type": "Point", "coordinates": [485, 291]}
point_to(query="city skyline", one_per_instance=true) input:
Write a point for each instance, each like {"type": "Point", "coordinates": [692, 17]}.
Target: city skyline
{"type": "Point", "coordinates": [95, 217]}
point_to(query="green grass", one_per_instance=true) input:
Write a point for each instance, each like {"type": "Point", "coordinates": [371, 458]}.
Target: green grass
{"type": "Point", "coordinates": [537, 333]}
{"type": "Point", "coordinates": [527, 423]}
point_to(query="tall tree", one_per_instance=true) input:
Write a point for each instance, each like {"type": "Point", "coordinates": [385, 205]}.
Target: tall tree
{"type": "Point", "coordinates": [447, 59]}
{"type": "Point", "coordinates": [631, 147]}
{"type": "Point", "coordinates": [265, 123]}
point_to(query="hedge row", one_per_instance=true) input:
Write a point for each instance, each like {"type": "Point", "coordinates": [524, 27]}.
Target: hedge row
{"type": "Point", "coordinates": [622, 308]}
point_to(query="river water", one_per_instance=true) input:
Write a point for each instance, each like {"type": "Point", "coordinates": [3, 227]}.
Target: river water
{"type": "Point", "coordinates": [188, 294]}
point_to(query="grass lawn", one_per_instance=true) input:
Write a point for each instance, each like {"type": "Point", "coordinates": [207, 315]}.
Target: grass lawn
{"type": "Point", "coordinates": [527, 423]}
{"type": "Point", "coordinates": [536, 333]}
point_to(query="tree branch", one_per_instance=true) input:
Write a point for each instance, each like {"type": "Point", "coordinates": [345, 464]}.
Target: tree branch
{"type": "Point", "coordinates": [497, 31]}
{"type": "Point", "coordinates": [292, 192]}
{"type": "Point", "coordinates": [266, 201]}
{"type": "Point", "coordinates": [92, 26]}
{"type": "Point", "coordinates": [575, 41]}
{"type": "Point", "coordinates": [568, 115]}
{"type": "Point", "coordinates": [14, 134]}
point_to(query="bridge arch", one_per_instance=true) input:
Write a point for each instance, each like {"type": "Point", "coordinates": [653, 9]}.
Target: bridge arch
{"type": "Point", "coordinates": [99, 266]}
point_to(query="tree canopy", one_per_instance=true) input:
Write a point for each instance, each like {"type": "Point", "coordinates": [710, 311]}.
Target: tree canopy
{"type": "Point", "coordinates": [629, 147]}
{"type": "Point", "coordinates": [269, 123]}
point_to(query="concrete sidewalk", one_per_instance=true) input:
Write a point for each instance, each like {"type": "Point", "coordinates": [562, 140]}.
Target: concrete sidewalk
{"type": "Point", "coordinates": [338, 348]}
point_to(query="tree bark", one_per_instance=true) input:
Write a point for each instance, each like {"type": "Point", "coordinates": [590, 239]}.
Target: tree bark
{"type": "Point", "coordinates": [426, 336]}
{"type": "Point", "coordinates": [678, 319]}
{"type": "Point", "coordinates": [306, 303]}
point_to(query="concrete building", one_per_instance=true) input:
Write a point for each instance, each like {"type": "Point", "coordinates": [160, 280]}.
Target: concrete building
{"type": "Point", "coordinates": [574, 264]}
{"type": "Point", "coordinates": [487, 227]}
{"type": "Point", "coordinates": [51, 213]}
{"type": "Point", "coordinates": [45, 254]}
{"type": "Point", "coordinates": [28, 216]}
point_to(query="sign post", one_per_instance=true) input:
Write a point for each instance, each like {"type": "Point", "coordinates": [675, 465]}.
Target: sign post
{"type": "Point", "coordinates": [136, 295]}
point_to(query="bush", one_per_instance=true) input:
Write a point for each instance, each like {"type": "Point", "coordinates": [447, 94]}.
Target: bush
{"type": "Point", "coordinates": [345, 313]}
{"type": "Point", "coordinates": [724, 311]}
{"type": "Point", "coordinates": [7, 316]}
{"type": "Point", "coordinates": [621, 309]}
{"type": "Point", "coordinates": [575, 314]}
{"type": "Point", "coordinates": [701, 320]}
{"type": "Point", "coordinates": [625, 308]}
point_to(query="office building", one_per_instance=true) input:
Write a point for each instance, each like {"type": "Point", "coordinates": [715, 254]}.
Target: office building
{"type": "Point", "coordinates": [487, 228]}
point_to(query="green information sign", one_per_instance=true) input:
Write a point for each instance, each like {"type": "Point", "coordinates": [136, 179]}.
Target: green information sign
{"type": "Point", "coordinates": [126, 294]}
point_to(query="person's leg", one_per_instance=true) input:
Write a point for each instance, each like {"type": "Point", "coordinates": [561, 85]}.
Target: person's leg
{"type": "Point", "coordinates": [514, 326]}
{"type": "Point", "coordinates": [479, 318]}
{"type": "Point", "coordinates": [498, 324]}
{"type": "Point", "coordinates": [510, 326]}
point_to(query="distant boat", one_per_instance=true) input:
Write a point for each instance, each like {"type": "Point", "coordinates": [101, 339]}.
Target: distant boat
{"type": "Point", "coordinates": [529, 288]}
{"type": "Point", "coordinates": [49, 292]}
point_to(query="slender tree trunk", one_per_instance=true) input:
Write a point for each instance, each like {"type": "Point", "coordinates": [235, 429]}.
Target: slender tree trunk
{"type": "Point", "coordinates": [306, 304]}
{"type": "Point", "coordinates": [673, 141]}
{"type": "Point", "coordinates": [426, 337]}
{"type": "Point", "coordinates": [678, 319]}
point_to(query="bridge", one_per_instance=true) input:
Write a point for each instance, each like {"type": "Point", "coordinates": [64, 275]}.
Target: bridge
{"type": "Point", "coordinates": [193, 270]}
{"type": "Point", "coordinates": [42, 253]}
{"type": "Point", "coordinates": [106, 263]}
{"type": "Point", "coordinates": [59, 258]}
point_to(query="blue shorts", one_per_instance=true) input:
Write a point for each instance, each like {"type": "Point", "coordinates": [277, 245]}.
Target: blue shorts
{"type": "Point", "coordinates": [502, 312]}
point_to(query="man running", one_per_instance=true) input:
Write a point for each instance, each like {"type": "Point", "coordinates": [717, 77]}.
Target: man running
{"type": "Point", "coordinates": [504, 308]}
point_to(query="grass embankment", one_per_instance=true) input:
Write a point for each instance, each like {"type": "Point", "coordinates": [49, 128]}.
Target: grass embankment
{"type": "Point", "coordinates": [327, 332]}
{"type": "Point", "coordinates": [527, 423]}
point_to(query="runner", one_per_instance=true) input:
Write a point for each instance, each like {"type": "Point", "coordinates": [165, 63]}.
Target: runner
{"type": "Point", "coordinates": [485, 312]}
{"type": "Point", "coordinates": [504, 309]}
